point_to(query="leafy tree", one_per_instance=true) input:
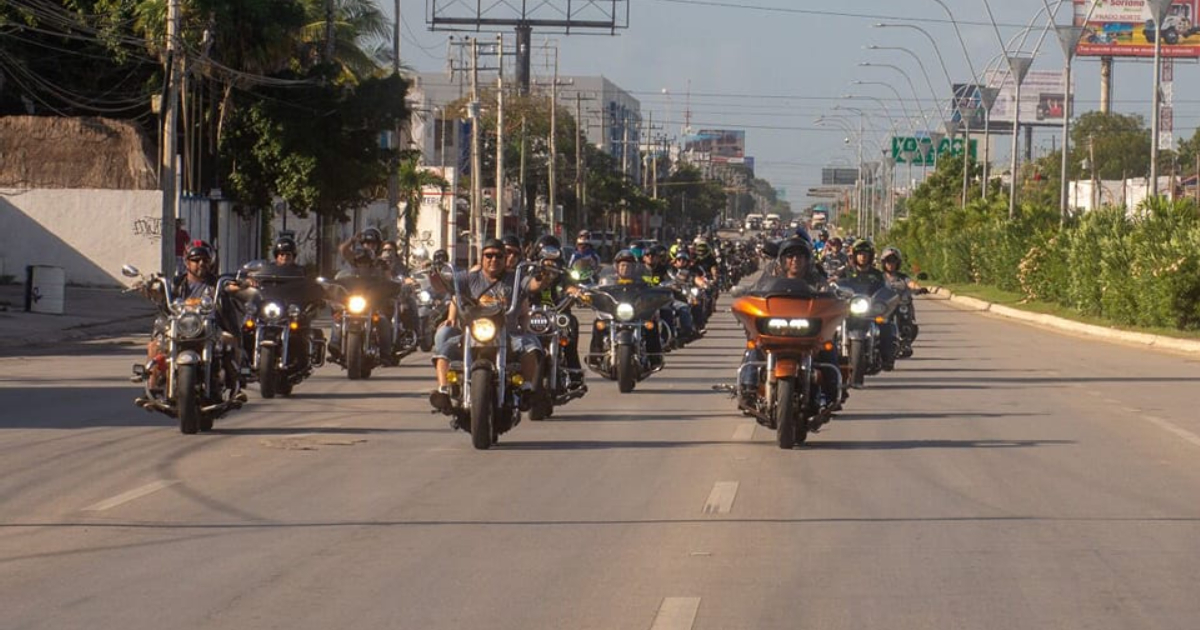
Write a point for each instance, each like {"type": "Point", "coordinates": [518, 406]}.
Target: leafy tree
{"type": "Point", "coordinates": [1121, 144]}
{"type": "Point", "coordinates": [412, 182]}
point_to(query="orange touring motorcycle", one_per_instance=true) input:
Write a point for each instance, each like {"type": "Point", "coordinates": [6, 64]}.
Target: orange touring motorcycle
{"type": "Point", "coordinates": [783, 383]}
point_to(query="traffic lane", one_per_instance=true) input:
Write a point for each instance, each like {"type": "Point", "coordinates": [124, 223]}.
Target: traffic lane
{"type": "Point", "coordinates": [972, 489]}
{"type": "Point", "coordinates": [177, 521]}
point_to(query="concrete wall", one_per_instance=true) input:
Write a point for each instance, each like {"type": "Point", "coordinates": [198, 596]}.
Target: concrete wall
{"type": "Point", "coordinates": [89, 233]}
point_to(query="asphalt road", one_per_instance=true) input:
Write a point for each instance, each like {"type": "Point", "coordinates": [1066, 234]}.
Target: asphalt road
{"type": "Point", "coordinates": [1005, 477]}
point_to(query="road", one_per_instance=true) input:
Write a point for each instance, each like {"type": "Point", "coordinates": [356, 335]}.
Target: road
{"type": "Point", "coordinates": [1005, 477]}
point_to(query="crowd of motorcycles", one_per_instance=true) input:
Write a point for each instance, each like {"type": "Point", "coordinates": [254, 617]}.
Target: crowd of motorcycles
{"type": "Point", "coordinates": [805, 351]}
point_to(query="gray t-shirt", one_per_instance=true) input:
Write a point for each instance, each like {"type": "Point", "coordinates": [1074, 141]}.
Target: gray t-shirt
{"type": "Point", "coordinates": [481, 290]}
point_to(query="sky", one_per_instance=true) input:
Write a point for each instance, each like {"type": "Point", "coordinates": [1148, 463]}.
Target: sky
{"type": "Point", "coordinates": [772, 67]}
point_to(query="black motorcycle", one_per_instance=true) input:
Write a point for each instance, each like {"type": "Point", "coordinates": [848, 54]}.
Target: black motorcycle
{"type": "Point", "coordinates": [280, 340]}
{"type": "Point", "coordinates": [196, 361]}
{"type": "Point", "coordinates": [553, 328]}
{"type": "Point", "coordinates": [863, 332]}
{"type": "Point", "coordinates": [627, 314]}
{"type": "Point", "coordinates": [359, 343]}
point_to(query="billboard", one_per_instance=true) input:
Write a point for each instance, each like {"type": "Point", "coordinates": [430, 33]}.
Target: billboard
{"type": "Point", "coordinates": [839, 176]}
{"type": "Point", "coordinates": [1125, 28]}
{"type": "Point", "coordinates": [1043, 97]}
{"type": "Point", "coordinates": [718, 143]}
{"type": "Point", "coordinates": [967, 100]}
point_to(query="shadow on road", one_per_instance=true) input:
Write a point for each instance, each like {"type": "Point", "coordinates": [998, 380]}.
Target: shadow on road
{"type": "Point", "coordinates": [890, 445]}
{"type": "Point", "coordinates": [928, 416]}
{"type": "Point", "coordinates": [596, 445]}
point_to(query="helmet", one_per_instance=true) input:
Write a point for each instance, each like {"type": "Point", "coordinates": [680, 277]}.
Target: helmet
{"type": "Point", "coordinates": [198, 250]}
{"type": "Point", "coordinates": [420, 253]}
{"type": "Point", "coordinates": [550, 253]}
{"type": "Point", "coordinates": [701, 248]}
{"type": "Point", "coordinates": [836, 241]}
{"type": "Point", "coordinates": [658, 249]}
{"type": "Point", "coordinates": [371, 235]}
{"type": "Point", "coordinates": [824, 234]}
{"type": "Point", "coordinates": [440, 257]}
{"type": "Point", "coordinates": [891, 252]}
{"type": "Point", "coordinates": [549, 239]}
{"type": "Point", "coordinates": [492, 243]}
{"type": "Point", "coordinates": [636, 251]}
{"type": "Point", "coordinates": [794, 246]}
{"type": "Point", "coordinates": [802, 234]}
{"type": "Point", "coordinates": [682, 255]}
{"type": "Point", "coordinates": [511, 241]}
{"type": "Point", "coordinates": [864, 246]}
{"type": "Point", "coordinates": [584, 237]}
{"type": "Point", "coordinates": [624, 256]}
{"type": "Point", "coordinates": [284, 245]}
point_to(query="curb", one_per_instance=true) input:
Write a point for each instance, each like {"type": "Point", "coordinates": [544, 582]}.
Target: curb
{"type": "Point", "coordinates": [1057, 323]}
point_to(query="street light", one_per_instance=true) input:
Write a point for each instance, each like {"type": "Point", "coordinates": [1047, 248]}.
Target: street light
{"type": "Point", "coordinates": [911, 87]}
{"type": "Point", "coordinates": [928, 83]}
{"type": "Point", "coordinates": [932, 42]}
{"type": "Point", "coordinates": [1159, 9]}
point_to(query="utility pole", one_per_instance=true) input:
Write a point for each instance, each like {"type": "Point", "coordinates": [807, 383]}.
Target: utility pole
{"type": "Point", "coordinates": [580, 138]}
{"type": "Point", "coordinates": [166, 166]}
{"type": "Point", "coordinates": [553, 184]}
{"type": "Point", "coordinates": [500, 138]}
{"type": "Point", "coordinates": [476, 158]}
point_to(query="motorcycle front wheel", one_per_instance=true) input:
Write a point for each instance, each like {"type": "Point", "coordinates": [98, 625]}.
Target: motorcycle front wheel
{"type": "Point", "coordinates": [858, 362]}
{"type": "Point", "coordinates": [267, 374]}
{"type": "Point", "coordinates": [626, 373]}
{"type": "Point", "coordinates": [354, 355]}
{"type": "Point", "coordinates": [187, 399]}
{"type": "Point", "coordinates": [483, 396]}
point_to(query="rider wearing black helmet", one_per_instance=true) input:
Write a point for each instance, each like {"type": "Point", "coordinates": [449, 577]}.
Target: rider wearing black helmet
{"type": "Point", "coordinates": [556, 286]}
{"type": "Point", "coordinates": [627, 271]}
{"type": "Point", "coordinates": [863, 274]}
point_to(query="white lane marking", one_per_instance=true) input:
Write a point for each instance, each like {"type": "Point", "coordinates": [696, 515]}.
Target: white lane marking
{"type": "Point", "coordinates": [1168, 426]}
{"type": "Point", "coordinates": [676, 613]}
{"type": "Point", "coordinates": [720, 500]}
{"type": "Point", "coordinates": [126, 497]}
{"type": "Point", "coordinates": [744, 432]}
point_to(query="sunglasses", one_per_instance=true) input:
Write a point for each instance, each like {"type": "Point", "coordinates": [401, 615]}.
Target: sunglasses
{"type": "Point", "coordinates": [492, 255]}
{"type": "Point", "coordinates": [512, 252]}
{"type": "Point", "coordinates": [198, 259]}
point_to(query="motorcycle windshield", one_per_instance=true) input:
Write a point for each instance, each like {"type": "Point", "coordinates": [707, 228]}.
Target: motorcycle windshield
{"type": "Point", "coordinates": [375, 289]}
{"type": "Point", "coordinates": [886, 300]}
{"type": "Point", "coordinates": [287, 289]}
{"type": "Point", "coordinates": [777, 286]}
{"type": "Point", "coordinates": [645, 299]}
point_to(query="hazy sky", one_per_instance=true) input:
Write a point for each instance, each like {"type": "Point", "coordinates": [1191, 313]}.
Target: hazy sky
{"type": "Point", "coordinates": [772, 67]}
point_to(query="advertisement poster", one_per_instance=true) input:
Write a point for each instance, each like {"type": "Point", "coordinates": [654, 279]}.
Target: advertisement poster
{"type": "Point", "coordinates": [1126, 28]}
{"type": "Point", "coordinates": [718, 143]}
{"type": "Point", "coordinates": [1043, 97]}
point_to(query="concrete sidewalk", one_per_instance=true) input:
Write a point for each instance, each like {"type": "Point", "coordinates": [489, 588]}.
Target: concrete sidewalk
{"type": "Point", "coordinates": [1159, 342]}
{"type": "Point", "coordinates": [88, 313]}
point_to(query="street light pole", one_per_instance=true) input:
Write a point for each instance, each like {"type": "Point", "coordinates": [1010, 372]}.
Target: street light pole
{"type": "Point", "coordinates": [1159, 9]}
{"type": "Point", "coordinates": [1019, 66]}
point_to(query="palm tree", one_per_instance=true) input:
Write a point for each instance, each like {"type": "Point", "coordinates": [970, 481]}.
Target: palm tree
{"type": "Point", "coordinates": [412, 182]}
{"type": "Point", "coordinates": [358, 28]}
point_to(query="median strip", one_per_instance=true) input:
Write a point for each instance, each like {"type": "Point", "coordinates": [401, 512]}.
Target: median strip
{"type": "Point", "coordinates": [720, 500]}
{"type": "Point", "coordinates": [132, 495]}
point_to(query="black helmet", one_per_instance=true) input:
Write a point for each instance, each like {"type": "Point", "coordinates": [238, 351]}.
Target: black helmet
{"type": "Point", "coordinates": [371, 235]}
{"type": "Point", "coordinates": [794, 246]}
{"type": "Point", "coordinates": [511, 241]}
{"type": "Point", "coordinates": [624, 256]}
{"type": "Point", "coordinates": [549, 239]}
{"type": "Point", "coordinates": [802, 234]}
{"type": "Point", "coordinates": [441, 257]}
{"type": "Point", "coordinates": [284, 245]}
{"type": "Point", "coordinates": [198, 250]}
{"type": "Point", "coordinates": [492, 243]}
{"type": "Point", "coordinates": [863, 245]}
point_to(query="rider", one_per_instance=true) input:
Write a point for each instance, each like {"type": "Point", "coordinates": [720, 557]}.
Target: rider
{"type": "Point", "coordinates": [868, 279]}
{"type": "Point", "coordinates": [584, 251]}
{"type": "Point", "coordinates": [492, 283]}
{"type": "Point", "coordinates": [891, 260]}
{"type": "Point", "coordinates": [558, 284]}
{"type": "Point", "coordinates": [656, 264]}
{"type": "Point", "coordinates": [833, 260]}
{"type": "Point", "coordinates": [196, 281]}
{"type": "Point", "coordinates": [361, 252]}
{"type": "Point", "coordinates": [627, 269]}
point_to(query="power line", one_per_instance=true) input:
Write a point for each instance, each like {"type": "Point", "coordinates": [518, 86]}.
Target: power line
{"type": "Point", "coordinates": [845, 14]}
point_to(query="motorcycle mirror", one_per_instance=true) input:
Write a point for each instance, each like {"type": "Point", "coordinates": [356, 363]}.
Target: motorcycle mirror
{"type": "Point", "coordinates": [253, 266]}
{"type": "Point", "coordinates": [922, 276]}
{"type": "Point", "coordinates": [322, 281]}
{"type": "Point", "coordinates": [129, 271]}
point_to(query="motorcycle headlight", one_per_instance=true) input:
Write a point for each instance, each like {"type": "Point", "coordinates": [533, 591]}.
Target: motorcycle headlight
{"type": "Point", "coordinates": [539, 323]}
{"type": "Point", "coordinates": [860, 306]}
{"type": "Point", "coordinates": [624, 311]}
{"type": "Point", "coordinates": [357, 304]}
{"type": "Point", "coordinates": [575, 275]}
{"type": "Point", "coordinates": [483, 330]}
{"type": "Point", "coordinates": [696, 291]}
{"type": "Point", "coordinates": [189, 326]}
{"type": "Point", "coordinates": [777, 326]}
{"type": "Point", "coordinates": [424, 297]}
{"type": "Point", "coordinates": [206, 304]}
{"type": "Point", "coordinates": [271, 310]}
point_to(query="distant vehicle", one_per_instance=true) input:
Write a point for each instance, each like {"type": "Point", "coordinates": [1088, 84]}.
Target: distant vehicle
{"type": "Point", "coordinates": [819, 218]}
{"type": "Point", "coordinates": [754, 221]}
{"type": "Point", "coordinates": [772, 222]}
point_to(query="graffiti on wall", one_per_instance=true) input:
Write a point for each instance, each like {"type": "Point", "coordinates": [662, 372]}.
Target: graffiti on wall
{"type": "Point", "coordinates": [148, 227]}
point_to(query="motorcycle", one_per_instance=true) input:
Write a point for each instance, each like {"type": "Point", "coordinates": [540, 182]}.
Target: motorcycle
{"type": "Point", "coordinates": [791, 326]}
{"type": "Point", "coordinates": [359, 322]}
{"type": "Point", "coordinates": [553, 328]}
{"type": "Point", "coordinates": [196, 358]}
{"type": "Point", "coordinates": [862, 332]}
{"type": "Point", "coordinates": [432, 307]}
{"type": "Point", "coordinates": [627, 313]}
{"type": "Point", "coordinates": [484, 386]}
{"type": "Point", "coordinates": [283, 347]}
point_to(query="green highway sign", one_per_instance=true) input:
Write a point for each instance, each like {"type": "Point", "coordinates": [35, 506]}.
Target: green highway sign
{"type": "Point", "coordinates": [920, 151]}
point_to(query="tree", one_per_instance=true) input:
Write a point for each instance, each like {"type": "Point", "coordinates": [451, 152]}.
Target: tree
{"type": "Point", "coordinates": [1120, 143]}
{"type": "Point", "coordinates": [412, 182]}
